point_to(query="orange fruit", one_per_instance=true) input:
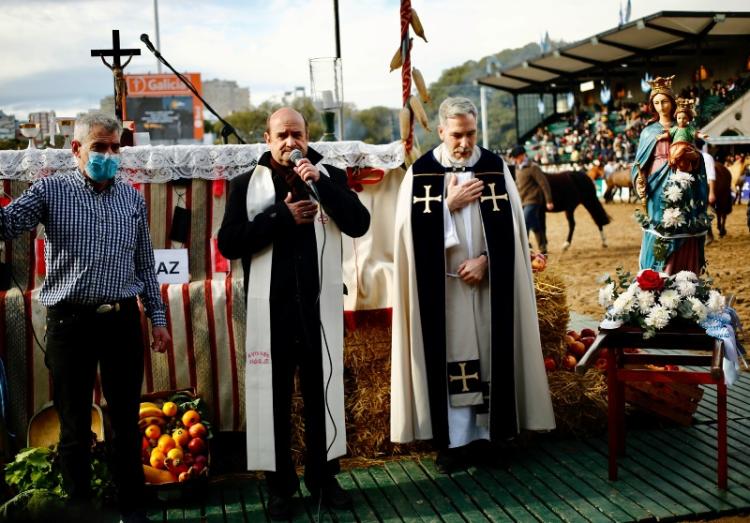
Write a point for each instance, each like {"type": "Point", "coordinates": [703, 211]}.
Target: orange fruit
{"type": "Point", "coordinates": [152, 431]}
{"type": "Point", "coordinates": [175, 454]}
{"type": "Point", "coordinates": [157, 459]}
{"type": "Point", "coordinates": [198, 431]}
{"type": "Point", "coordinates": [181, 437]}
{"type": "Point", "coordinates": [169, 408]}
{"type": "Point", "coordinates": [190, 418]}
{"type": "Point", "coordinates": [166, 443]}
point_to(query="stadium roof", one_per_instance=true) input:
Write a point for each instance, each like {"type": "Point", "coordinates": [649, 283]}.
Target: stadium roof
{"type": "Point", "coordinates": [622, 51]}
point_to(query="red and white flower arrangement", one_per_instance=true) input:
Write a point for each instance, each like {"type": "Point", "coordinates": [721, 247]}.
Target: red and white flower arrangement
{"type": "Point", "coordinates": [653, 299]}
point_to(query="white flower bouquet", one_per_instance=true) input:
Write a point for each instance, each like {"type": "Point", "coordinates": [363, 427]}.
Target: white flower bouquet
{"type": "Point", "coordinates": [652, 300]}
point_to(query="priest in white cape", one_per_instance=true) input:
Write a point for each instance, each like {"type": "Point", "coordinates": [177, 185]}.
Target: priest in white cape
{"type": "Point", "coordinates": [290, 246]}
{"type": "Point", "coordinates": [466, 361]}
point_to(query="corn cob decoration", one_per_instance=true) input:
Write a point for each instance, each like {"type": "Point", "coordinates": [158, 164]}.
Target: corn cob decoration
{"type": "Point", "coordinates": [416, 24]}
{"type": "Point", "coordinates": [411, 106]}
{"type": "Point", "coordinates": [398, 57]}
{"type": "Point", "coordinates": [419, 113]}
{"type": "Point", "coordinates": [404, 120]}
{"type": "Point", "coordinates": [416, 75]}
{"type": "Point", "coordinates": [397, 60]}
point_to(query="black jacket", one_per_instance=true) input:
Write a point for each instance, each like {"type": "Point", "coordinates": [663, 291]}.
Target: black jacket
{"type": "Point", "coordinates": [294, 272]}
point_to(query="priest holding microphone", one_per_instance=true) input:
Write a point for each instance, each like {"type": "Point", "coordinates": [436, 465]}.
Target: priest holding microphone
{"type": "Point", "coordinates": [284, 220]}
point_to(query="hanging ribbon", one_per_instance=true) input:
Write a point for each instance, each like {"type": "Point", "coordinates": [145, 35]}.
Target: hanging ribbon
{"type": "Point", "coordinates": [217, 187]}
{"type": "Point", "coordinates": [723, 326]}
{"type": "Point", "coordinates": [221, 264]}
{"type": "Point", "coordinates": [357, 177]}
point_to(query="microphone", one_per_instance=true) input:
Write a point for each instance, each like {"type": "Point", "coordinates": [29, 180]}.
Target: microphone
{"type": "Point", "coordinates": [149, 45]}
{"type": "Point", "coordinates": [295, 157]}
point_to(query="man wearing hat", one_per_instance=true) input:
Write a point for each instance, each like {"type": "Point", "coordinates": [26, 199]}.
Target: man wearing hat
{"type": "Point", "coordinates": [536, 195]}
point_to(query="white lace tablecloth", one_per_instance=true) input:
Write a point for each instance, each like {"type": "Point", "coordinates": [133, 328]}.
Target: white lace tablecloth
{"type": "Point", "coordinates": [162, 163]}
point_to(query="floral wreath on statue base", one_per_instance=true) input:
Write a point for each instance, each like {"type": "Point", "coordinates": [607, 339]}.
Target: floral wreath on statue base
{"type": "Point", "coordinates": [676, 218]}
{"type": "Point", "coordinates": [653, 299]}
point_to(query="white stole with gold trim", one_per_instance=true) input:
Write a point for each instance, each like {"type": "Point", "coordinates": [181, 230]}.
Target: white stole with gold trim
{"type": "Point", "coordinates": [261, 452]}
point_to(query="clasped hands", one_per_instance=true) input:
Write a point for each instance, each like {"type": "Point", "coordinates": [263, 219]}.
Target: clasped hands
{"type": "Point", "coordinates": [473, 270]}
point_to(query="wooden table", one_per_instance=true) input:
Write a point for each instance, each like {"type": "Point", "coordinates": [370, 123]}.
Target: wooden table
{"type": "Point", "coordinates": [697, 349]}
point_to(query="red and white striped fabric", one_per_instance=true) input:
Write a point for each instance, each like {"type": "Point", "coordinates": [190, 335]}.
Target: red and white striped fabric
{"type": "Point", "coordinates": [206, 320]}
{"type": "Point", "coordinates": [206, 317]}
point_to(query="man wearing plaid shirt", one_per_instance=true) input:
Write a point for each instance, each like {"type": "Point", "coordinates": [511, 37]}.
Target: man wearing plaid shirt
{"type": "Point", "coordinates": [99, 259]}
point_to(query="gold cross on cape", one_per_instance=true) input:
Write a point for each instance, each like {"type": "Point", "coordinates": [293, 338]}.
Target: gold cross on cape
{"type": "Point", "coordinates": [463, 377]}
{"type": "Point", "coordinates": [427, 199]}
{"type": "Point", "coordinates": [494, 197]}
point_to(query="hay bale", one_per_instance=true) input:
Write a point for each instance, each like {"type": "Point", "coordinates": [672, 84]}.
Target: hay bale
{"type": "Point", "coordinates": [579, 401]}
{"type": "Point", "coordinates": [367, 400]}
{"type": "Point", "coordinates": [554, 315]}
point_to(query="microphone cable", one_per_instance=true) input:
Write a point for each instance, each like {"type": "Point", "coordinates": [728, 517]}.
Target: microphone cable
{"type": "Point", "coordinates": [324, 340]}
{"type": "Point", "coordinates": [31, 323]}
{"type": "Point", "coordinates": [323, 219]}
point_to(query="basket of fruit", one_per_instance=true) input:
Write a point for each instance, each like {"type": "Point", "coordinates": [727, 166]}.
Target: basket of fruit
{"type": "Point", "coordinates": [175, 438]}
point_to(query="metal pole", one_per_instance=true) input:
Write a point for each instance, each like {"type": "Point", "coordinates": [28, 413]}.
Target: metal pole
{"type": "Point", "coordinates": [156, 30]}
{"type": "Point", "coordinates": [483, 105]}
{"type": "Point", "coordinates": [338, 55]}
{"type": "Point", "coordinates": [515, 107]}
{"type": "Point", "coordinates": [336, 21]}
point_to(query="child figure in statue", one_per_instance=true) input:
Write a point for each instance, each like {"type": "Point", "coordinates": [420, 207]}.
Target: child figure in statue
{"type": "Point", "coordinates": [683, 155]}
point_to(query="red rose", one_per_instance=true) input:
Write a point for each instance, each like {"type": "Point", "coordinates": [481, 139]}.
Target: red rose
{"type": "Point", "coordinates": [649, 280]}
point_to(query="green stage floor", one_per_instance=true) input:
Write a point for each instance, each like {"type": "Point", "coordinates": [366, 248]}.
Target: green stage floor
{"type": "Point", "coordinates": [669, 473]}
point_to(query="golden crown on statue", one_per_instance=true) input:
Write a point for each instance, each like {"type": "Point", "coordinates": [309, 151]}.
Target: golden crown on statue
{"type": "Point", "coordinates": [661, 85]}
{"type": "Point", "coordinates": [686, 105]}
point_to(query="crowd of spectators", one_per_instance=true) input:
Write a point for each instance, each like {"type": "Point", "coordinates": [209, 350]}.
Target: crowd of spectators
{"type": "Point", "coordinates": [715, 98]}
{"type": "Point", "coordinates": [586, 137]}
{"type": "Point", "coordinates": [603, 136]}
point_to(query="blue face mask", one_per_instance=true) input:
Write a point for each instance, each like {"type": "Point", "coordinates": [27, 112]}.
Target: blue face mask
{"type": "Point", "coordinates": [102, 167]}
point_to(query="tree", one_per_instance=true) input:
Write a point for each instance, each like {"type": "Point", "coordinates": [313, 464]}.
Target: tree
{"type": "Point", "coordinates": [459, 81]}
{"type": "Point", "coordinates": [251, 124]}
{"type": "Point", "coordinates": [12, 144]}
{"type": "Point", "coordinates": [373, 125]}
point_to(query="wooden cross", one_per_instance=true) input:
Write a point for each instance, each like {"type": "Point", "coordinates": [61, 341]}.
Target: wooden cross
{"type": "Point", "coordinates": [117, 68]}
{"type": "Point", "coordinates": [427, 199]}
{"type": "Point", "coordinates": [464, 377]}
{"type": "Point", "coordinates": [494, 197]}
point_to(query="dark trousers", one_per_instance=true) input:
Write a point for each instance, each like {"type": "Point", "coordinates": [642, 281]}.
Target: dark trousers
{"type": "Point", "coordinates": [78, 339]}
{"type": "Point", "coordinates": [295, 342]}
{"type": "Point", "coordinates": [535, 216]}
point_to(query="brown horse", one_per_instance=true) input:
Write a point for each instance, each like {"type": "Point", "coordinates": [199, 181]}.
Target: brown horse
{"type": "Point", "coordinates": [737, 171]}
{"type": "Point", "coordinates": [723, 195]}
{"type": "Point", "coordinates": [616, 182]}
{"type": "Point", "coordinates": [595, 172]}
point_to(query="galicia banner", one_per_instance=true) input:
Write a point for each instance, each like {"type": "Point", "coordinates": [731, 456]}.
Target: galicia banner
{"type": "Point", "coordinates": [163, 106]}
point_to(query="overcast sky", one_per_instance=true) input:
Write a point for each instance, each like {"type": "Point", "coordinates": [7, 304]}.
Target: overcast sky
{"type": "Point", "coordinates": [265, 45]}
